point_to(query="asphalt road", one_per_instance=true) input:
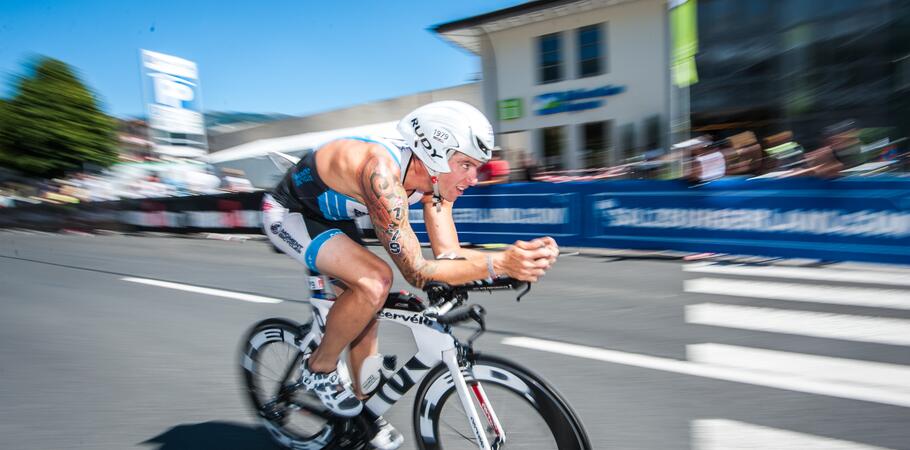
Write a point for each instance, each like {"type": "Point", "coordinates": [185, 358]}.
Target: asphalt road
{"type": "Point", "coordinates": [666, 355]}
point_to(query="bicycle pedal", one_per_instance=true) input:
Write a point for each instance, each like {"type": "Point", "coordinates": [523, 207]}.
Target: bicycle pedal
{"type": "Point", "coordinates": [273, 414]}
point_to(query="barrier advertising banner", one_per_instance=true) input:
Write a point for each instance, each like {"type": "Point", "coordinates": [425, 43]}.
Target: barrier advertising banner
{"type": "Point", "coordinates": [860, 220]}
{"type": "Point", "coordinates": [841, 220]}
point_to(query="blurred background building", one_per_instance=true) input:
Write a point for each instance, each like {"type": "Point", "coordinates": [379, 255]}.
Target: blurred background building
{"type": "Point", "coordinates": [578, 84]}
{"type": "Point", "coordinates": [801, 66]}
{"type": "Point", "coordinates": [592, 90]}
{"type": "Point", "coordinates": [592, 85]}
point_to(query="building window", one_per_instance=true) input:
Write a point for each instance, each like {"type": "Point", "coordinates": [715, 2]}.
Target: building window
{"type": "Point", "coordinates": [651, 138]}
{"type": "Point", "coordinates": [590, 51]}
{"type": "Point", "coordinates": [550, 58]}
{"type": "Point", "coordinates": [596, 138]}
{"type": "Point", "coordinates": [627, 149]}
{"type": "Point", "coordinates": [553, 139]}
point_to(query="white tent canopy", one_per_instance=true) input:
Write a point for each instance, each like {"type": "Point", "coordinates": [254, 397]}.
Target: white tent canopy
{"type": "Point", "coordinates": [178, 151]}
{"type": "Point", "coordinates": [298, 142]}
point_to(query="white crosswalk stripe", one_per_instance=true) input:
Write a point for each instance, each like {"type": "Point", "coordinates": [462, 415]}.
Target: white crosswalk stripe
{"type": "Point", "coordinates": [813, 367]}
{"type": "Point", "coordinates": [839, 295]}
{"type": "Point", "coordinates": [721, 434]}
{"type": "Point", "coordinates": [805, 273]}
{"type": "Point", "coordinates": [841, 377]}
{"type": "Point", "coordinates": [832, 326]}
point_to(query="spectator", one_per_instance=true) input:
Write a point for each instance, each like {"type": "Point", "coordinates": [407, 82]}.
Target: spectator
{"type": "Point", "coordinates": [820, 163]}
{"type": "Point", "coordinates": [782, 154]}
{"type": "Point", "coordinates": [743, 154]}
{"type": "Point", "coordinates": [495, 171]}
{"type": "Point", "coordinates": [705, 159]}
{"type": "Point", "coordinates": [527, 167]}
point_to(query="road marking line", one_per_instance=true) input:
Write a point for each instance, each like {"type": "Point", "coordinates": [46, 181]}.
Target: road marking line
{"type": "Point", "coordinates": [812, 367]}
{"type": "Point", "coordinates": [721, 434]}
{"type": "Point", "coordinates": [825, 325]}
{"type": "Point", "coordinates": [204, 290]}
{"type": "Point", "coordinates": [804, 273]}
{"type": "Point", "coordinates": [777, 381]}
{"type": "Point", "coordinates": [880, 298]}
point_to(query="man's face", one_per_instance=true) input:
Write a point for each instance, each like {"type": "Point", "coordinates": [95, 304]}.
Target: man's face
{"type": "Point", "coordinates": [462, 176]}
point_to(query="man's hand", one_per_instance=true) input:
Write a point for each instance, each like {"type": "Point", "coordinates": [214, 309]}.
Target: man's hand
{"type": "Point", "coordinates": [543, 242]}
{"type": "Point", "coordinates": [527, 261]}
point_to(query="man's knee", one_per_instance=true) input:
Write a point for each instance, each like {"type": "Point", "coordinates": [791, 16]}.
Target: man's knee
{"type": "Point", "coordinates": [374, 285]}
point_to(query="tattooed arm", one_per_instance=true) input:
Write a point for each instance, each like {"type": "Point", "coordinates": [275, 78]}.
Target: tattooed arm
{"type": "Point", "coordinates": [387, 203]}
{"type": "Point", "coordinates": [443, 235]}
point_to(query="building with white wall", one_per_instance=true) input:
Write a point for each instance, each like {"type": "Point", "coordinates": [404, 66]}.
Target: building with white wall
{"type": "Point", "coordinates": [577, 83]}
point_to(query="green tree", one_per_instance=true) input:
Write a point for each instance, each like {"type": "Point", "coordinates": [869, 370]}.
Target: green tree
{"type": "Point", "coordinates": [53, 124]}
{"type": "Point", "coordinates": [3, 124]}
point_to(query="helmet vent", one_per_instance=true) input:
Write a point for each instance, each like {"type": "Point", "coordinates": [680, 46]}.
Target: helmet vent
{"type": "Point", "coordinates": [486, 151]}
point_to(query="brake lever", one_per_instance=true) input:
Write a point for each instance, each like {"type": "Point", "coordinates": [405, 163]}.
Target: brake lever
{"type": "Point", "coordinates": [478, 315]}
{"type": "Point", "coordinates": [525, 291]}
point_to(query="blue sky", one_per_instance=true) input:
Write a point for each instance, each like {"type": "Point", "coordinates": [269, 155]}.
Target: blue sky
{"type": "Point", "coordinates": [293, 57]}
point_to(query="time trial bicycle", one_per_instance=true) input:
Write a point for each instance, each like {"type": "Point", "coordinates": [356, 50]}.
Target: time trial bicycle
{"type": "Point", "coordinates": [466, 399]}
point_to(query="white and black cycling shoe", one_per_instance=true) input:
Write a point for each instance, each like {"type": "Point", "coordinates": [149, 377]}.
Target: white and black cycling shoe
{"type": "Point", "coordinates": [334, 394]}
{"type": "Point", "coordinates": [386, 437]}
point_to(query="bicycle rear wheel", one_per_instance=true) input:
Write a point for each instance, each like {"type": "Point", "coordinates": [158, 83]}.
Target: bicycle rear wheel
{"type": "Point", "coordinates": [272, 354]}
{"type": "Point", "coordinates": [531, 413]}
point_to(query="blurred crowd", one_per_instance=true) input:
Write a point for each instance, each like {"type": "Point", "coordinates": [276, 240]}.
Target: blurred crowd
{"type": "Point", "coordinates": [152, 178]}
{"type": "Point", "coordinates": [847, 151]}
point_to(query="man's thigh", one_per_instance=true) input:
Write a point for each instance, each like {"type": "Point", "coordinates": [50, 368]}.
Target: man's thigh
{"type": "Point", "coordinates": [342, 258]}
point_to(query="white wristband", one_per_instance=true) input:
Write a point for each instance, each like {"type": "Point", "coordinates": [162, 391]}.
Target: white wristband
{"type": "Point", "coordinates": [490, 267]}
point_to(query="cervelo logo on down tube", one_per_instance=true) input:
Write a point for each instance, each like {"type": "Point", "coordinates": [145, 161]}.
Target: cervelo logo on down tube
{"type": "Point", "coordinates": [412, 318]}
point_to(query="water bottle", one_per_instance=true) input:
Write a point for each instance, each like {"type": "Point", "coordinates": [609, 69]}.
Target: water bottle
{"type": "Point", "coordinates": [375, 368]}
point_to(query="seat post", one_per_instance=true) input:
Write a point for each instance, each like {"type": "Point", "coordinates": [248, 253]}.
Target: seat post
{"type": "Point", "coordinates": [321, 286]}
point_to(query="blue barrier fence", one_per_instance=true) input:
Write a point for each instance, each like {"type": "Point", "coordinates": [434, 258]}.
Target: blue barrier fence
{"type": "Point", "coordinates": [849, 219]}
{"type": "Point", "coordinates": [840, 220]}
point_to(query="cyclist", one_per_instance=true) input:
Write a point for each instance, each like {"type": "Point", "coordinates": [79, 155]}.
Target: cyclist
{"type": "Point", "coordinates": [310, 216]}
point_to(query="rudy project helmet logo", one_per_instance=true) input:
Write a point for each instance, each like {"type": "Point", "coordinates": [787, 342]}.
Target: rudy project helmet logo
{"type": "Point", "coordinates": [276, 227]}
{"type": "Point", "coordinates": [415, 124]}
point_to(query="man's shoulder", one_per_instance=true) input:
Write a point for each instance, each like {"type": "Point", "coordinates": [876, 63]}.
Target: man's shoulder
{"type": "Point", "coordinates": [361, 148]}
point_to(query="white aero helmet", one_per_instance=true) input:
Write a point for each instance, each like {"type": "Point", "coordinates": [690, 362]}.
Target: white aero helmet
{"type": "Point", "coordinates": [437, 130]}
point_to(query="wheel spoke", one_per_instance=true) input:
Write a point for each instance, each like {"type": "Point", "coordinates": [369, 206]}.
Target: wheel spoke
{"type": "Point", "coordinates": [452, 427]}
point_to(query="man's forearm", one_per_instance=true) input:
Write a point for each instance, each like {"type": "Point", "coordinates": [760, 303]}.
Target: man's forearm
{"type": "Point", "coordinates": [461, 252]}
{"type": "Point", "coordinates": [453, 272]}
{"type": "Point", "coordinates": [478, 259]}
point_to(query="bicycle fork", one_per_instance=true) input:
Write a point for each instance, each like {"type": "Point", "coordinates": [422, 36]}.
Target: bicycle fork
{"type": "Point", "coordinates": [451, 361]}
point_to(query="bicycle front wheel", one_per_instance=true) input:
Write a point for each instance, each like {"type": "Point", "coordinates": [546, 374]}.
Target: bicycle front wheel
{"type": "Point", "coordinates": [518, 409]}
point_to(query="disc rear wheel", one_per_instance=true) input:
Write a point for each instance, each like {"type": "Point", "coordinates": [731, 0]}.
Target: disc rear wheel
{"type": "Point", "coordinates": [271, 358]}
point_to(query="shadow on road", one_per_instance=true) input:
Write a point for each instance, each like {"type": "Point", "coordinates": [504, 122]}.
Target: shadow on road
{"type": "Point", "coordinates": [212, 435]}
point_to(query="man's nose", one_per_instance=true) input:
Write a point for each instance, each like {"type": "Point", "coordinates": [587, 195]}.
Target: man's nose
{"type": "Point", "coordinates": [472, 177]}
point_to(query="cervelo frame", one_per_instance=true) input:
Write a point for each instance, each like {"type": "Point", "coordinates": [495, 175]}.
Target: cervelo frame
{"type": "Point", "coordinates": [435, 345]}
